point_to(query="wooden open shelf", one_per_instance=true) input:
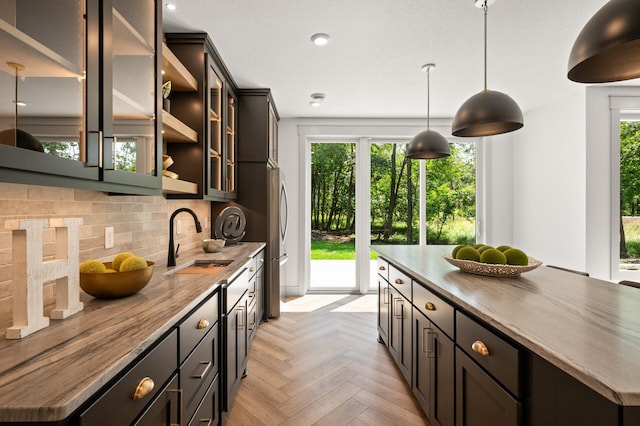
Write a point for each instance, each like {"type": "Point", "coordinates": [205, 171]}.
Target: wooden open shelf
{"type": "Point", "coordinates": [177, 186]}
{"type": "Point", "coordinates": [181, 79]}
{"type": "Point", "coordinates": [176, 131]}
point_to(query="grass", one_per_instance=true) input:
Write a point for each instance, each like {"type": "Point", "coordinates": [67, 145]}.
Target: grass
{"type": "Point", "coordinates": [459, 231]}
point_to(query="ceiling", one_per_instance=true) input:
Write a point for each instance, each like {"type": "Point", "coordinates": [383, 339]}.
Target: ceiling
{"type": "Point", "coordinates": [372, 64]}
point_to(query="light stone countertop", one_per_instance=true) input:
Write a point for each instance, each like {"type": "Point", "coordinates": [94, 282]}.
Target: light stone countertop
{"type": "Point", "coordinates": [51, 373]}
{"type": "Point", "coordinates": [588, 328]}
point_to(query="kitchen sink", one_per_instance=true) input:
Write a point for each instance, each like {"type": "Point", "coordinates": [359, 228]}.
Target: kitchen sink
{"type": "Point", "coordinates": [204, 266]}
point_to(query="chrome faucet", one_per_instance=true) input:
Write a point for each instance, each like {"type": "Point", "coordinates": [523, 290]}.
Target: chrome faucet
{"type": "Point", "coordinates": [173, 253]}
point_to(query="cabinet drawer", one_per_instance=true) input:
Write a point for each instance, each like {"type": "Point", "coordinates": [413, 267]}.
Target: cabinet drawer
{"type": "Point", "coordinates": [197, 324]}
{"type": "Point", "coordinates": [383, 268]}
{"type": "Point", "coordinates": [236, 289]}
{"type": "Point", "coordinates": [256, 263]}
{"type": "Point", "coordinates": [198, 372]}
{"type": "Point", "coordinates": [400, 281]}
{"type": "Point", "coordinates": [118, 404]}
{"type": "Point", "coordinates": [501, 359]}
{"type": "Point", "coordinates": [207, 412]}
{"type": "Point", "coordinates": [437, 310]}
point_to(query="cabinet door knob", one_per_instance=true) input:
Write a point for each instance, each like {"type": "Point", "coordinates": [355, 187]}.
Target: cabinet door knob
{"type": "Point", "coordinates": [399, 281]}
{"type": "Point", "coordinates": [252, 269]}
{"type": "Point", "coordinates": [203, 323]}
{"type": "Point", "coordinates": [480, 348]}
{"type": "Point", "coordinates": [145, 386]}
{"type": "Point", "coordinates": [382, 268]}
{"type": "Point", "coordinates": [261, 260]}
{"type": "Point", "coordinates": [429, 306]}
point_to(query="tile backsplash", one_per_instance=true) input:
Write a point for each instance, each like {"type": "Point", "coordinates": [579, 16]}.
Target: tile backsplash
{"type": "Point", "coordinates": [140, 223]}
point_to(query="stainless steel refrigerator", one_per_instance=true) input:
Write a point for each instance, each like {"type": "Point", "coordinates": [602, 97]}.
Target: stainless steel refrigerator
{"type": "Point", "coordinates": [262, 198]}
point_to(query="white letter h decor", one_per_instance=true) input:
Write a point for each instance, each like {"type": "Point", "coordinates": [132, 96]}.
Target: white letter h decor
{"type": "Point", "coordinates": [30, 273]}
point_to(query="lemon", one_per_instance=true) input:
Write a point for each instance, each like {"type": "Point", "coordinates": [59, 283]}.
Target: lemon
{"type": "Point", "coordinates": [92, 267]}
{"type": "Point", "coordinates": [133, 263]}
{"type": "Point", "coordinates": [120, 257]}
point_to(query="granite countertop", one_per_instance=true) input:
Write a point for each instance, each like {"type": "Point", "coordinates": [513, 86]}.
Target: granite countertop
{"type": "Point", "coordinates": [587, 327]}
{"type": "Point", "coordinates": [46, 376]}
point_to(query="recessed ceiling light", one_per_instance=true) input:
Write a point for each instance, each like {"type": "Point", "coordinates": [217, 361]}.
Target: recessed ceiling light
{"type": "Point", "coordinates": [316, 99]}
{"type": "Point", "coordinates": [171, 6]}
{"type": "Point", "coordinates": [320, 39]}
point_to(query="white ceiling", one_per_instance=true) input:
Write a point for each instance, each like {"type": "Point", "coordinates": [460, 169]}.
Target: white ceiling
{"type": "Point", "coordinates": [371, 67]}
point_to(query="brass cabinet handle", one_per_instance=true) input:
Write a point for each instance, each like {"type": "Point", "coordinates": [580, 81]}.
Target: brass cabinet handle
{"type": "Point", "coordinates": [206, 369]}
{"type": "Point", "coordinates": [430, 306]}
{"type": "Point", "coordinates": [261, 260]}
{"type": "Point", "coordinates": [252, 269]}
{"type": "Point", "coordinates": [240, 325]}
{"type": "Point", "coordinates": [179, 392]}
{"type": "Point", "coordinates": [479, 347]}
{"type": "Point", "coordinates": [145, 386]}
{"type": "Point", "coordinates": [401, 310]}
{"type": "Point", "coordinates": [382, 268]}
{"type": "Point", "coordinates": [207, 422]}
{"type": "Point", "coordinates": [399, 281]}
{"type": "Point", "coordinates": [425, 337]}
{"type": "Point", "coordinates": [203, 323]}
{"type": "Point", "coordinates": [385, 293]}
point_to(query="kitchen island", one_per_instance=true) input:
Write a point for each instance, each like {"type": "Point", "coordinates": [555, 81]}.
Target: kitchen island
{"type": "Point", "coordinates": [575, 339]}
{"type": "Point", "coordinates": [53, 374]}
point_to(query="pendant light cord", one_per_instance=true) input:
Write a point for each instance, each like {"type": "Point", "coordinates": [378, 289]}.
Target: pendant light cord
{"type": "Point", "coordinates": [428, 96]}
{"type": "Point", "coordinates": [485, 7]}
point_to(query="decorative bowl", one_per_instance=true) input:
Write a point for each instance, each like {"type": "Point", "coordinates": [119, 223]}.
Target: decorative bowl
{"type": "Point", "coordinates": [113, 285]}
{"type": "Point", "coordinates": [491, 269]}
{"type": "Point", "coordinates": [212, 245]}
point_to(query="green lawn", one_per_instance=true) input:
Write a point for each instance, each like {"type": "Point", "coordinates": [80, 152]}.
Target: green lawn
{"type": "Point", "coordinates": [328, 250]}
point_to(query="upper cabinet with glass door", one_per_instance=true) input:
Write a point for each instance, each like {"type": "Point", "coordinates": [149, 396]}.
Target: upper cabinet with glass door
{"type": "Point", "coordinates": [211, 111]}
{"type": "Point", "coordinates": [57, 62]}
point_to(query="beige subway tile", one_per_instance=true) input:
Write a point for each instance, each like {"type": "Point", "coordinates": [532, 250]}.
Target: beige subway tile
{"type": "Point", "coordinates": [13, 191]}
{"type": "Point", "coordinates": [50, 193]}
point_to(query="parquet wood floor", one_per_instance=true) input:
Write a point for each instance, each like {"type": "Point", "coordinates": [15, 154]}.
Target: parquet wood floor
{"type": "Point", "coordinates": [320, 364]}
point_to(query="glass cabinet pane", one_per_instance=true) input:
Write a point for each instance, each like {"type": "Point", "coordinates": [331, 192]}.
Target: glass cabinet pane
{"type": "Point", "coordinates": [215, 131]}
{"type": "Point", "coordinates": [230, 153]}
{"type": "Point", "coordinates": [134, 87]}
{"type": "Point", "coordinates": [42, 76]}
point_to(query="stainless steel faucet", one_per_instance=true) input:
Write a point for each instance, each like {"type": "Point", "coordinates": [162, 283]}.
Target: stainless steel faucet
{"type": "Point", "coordinates": [173, 253]}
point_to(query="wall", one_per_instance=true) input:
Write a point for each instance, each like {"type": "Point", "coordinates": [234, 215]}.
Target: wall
{"type": "Point", "coordinates": [549, 182]}
{"type": "Point", "coordinates": [141, 224]}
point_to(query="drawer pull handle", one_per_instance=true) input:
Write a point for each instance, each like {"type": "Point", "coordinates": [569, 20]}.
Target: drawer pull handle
{"type": "Point", "coordinates": [180, 394]}
{"type": "Point", "coordinates": [207, 422]}
{"type": "Point", "coordinates": [261, 260]}
{"type": "Point", "coordinates": [399, 281]}
{"type": "Point", "coordinates": [430, 306]}
{"type": "Point", "coordinates": [144, 388]}
{"type": "Point", "coordinates": [480, 348]}
{"type": "Point", "coordinates": [206, 370]}
{"type": "Point", "coordinates": [252, 269]}
{"type": "Point", "coordinates": [385, 292]}
{"type": "Point", "coordinates": [382, 268]}
{"type": "Point", "coordinates": [399, 313]}
{"type": "Point", "coordinates": [203, 323]}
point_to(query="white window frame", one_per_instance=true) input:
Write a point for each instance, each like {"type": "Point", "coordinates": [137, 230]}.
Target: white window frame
{"type": "Point", "coordinates": [621, 108]}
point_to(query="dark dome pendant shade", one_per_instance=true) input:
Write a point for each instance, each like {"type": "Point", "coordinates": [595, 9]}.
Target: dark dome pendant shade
{"type": "Point", "coordinates": [608, 47]}
{"type": "Point", "coordinates": [488, 112]}
{"type": "Point", "coordinates": [428, 144]}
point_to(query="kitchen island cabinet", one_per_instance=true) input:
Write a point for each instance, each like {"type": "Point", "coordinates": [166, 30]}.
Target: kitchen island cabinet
{"type": "Point", "coordinates": [167, 332]}
{"type": "Point", "coordinates": [548, 360]}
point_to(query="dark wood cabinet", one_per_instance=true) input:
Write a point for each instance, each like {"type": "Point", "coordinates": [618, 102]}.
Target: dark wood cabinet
{"type": "Point", "coordinates": [400, 337]}
{"type": "Point", "coordinates": [87, 123]}
{"type": "Point", "coordinates": [480, 400]}
{"type": "Point", "coordinates": [258, 126]}
{"type": "Point", "coordinates": [207, 159]}
{"type": "Point", "coordinates": [165, 409]}
{"type": "Point", "coordinates": [383, 310]}
{"type": "Point", "coordinates": [433, 370]}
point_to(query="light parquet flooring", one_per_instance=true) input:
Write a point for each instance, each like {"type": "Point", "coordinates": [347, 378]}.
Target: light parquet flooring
{"type": "Point", "coordinates": [320, 364]}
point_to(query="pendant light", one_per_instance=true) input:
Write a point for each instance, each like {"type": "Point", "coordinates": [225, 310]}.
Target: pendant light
{"type": "Point", "coordinates": [488, 112]}
{"type": "Point", "coordinates": [428, 144]}
{"type": "Point", "coordinates": [608, 47]}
